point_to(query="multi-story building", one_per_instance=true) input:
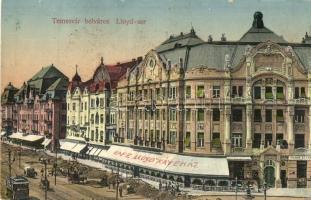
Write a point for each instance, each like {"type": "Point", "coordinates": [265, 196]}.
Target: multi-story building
{"type": "Point", "coordinates": [39, 106]}
{"type": "Point", "coordinates": [90, 104]}
{"type": "Point", "coordinates": [248, 100]}
{"type": "Point", "coordinates": [7, 108]}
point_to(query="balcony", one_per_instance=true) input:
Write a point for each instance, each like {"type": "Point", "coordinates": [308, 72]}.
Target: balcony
{"type": "Point", "coordinates": [300, 101]}
{"type": "Point", "coordinates": [239, 151]}
{"type": "Point", "coordinates": [118, 139]}
{"type": "Point", "coordinates": [238, 100]}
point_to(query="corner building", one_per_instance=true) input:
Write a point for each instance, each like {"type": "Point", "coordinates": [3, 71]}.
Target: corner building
{"type": "Point", "coordinates": [247, 100]}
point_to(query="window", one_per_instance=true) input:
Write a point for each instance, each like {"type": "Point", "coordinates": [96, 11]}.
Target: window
{"type": "Point", "coordinates": [164, 93]}
{"type": "Point", "coordinates": [234, 91]}
{"type": "Point", "coordinates": [302, 92]}
{"type": "Point", "coordinates": [216, 114]}
{"type": "Point", "coordinates": [279, 116]}
{"type": "Point", "coordinates": [216, 91]}
{"type": "Point", "coordinates": [268, 139]}
{"type": "Point", "coordinates": [240, 91]}
{"type": "Point", "coordinates": [188, 92]}
{"type": "Point", "coordinates": [172, 114]}
{"type": "Point", "coordinates": [297, 93]}
{"type": "Point", "coordinates": [299, 140]}
{"type": "Point", "coordinates": [299, 116]}
{"type": "Point", "coordinates": [131, 96]}
{"type": "Point", "coordinates": [268, 115]}
{"type": "Point", "coordinates": [85, 105]}
{"type": "Point", "coordinates": [302, 167]}
{"type": "Point", "coordinates": [188, 140]}
{"type": "Point", "coordinates": [73, 106]}
{"type": "Point", "coordinates": [237, 115]}
{"type": "Point", "coordinates": [92, 118]}
{"type": "Point", "coordinates": [257, 92]}
{"type": "Point", "coordinates": [200, 115]}
{"type": "Point", "coordinates": [188, 114]}
{"type": "Point", "coordinates": [101, 102]}
{"type": "Point", "coordinates": [172, 137]}
{"type": "Point", "coordinates": [200, 91]}
{"type": "Point", "coordinates": [236, 139]}
{"type": "Point", "coordinates": [279, 93]}
{"type": "Point", "coordinates": [145, 94]}
{"type": "Point", "coordinates": [101, 118]}
{"type": "Point", "coordinates": [216, 143]}
{"type": "Point", "coordinates": [97, 118]}
{"type": "Point", "coordinates": [163, 114]}
{"type": "Point", "coordinates": [158, 136]}
{"type": "Point", "coordinates": [200, 139]}
{"type": "Point", "coordinates": [157, 114]}
{"type": "Point", "coordinates": [172, 93]}
{"type": "Point", "coordinates": [269, 94]}
{"type": "Point", "coordinates": [92, 103]}
{"type": "Point", "coordinates": [257, 115]}
{"type": "Point", "coordinates": [279, 137]}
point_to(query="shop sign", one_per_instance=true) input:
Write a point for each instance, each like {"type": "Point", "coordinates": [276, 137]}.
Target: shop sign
{"type": "Point", "coordinates": [300, 154]}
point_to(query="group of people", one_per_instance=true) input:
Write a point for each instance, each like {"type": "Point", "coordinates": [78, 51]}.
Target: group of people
{"type": "Point", "coordinates": [170, 186]}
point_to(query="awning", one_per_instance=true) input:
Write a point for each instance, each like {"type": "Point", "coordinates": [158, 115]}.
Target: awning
{"type": "Point", "coordinates": [97, 152]}
{"type": "Point", "coordinates": [239, 158]}
{"type": "Point", "coordinates": [68, 146]}
{"type": "Point", "coordinates": [89, 150]}
{"type": "Point", "coordinates": [92, 152]}
{"type": "Point", "coordinates": [3, 133]}
{"type": "Point", "coordinates": [29, 138]}
{"type": "Point", "coordinates": [46, 142]}
{"type": "Point", "coordinates": [168, 162]}
{"type": "Point", "coordinates": [78, 148]}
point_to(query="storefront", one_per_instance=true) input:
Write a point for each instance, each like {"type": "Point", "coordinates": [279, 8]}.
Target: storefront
{"type": "Point", "coordinates": [189, 171]}
{"type": "Point", "coordinates": [299, 174]}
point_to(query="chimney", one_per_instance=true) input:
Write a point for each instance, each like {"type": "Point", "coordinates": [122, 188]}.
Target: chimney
{"type": "Point", "coordinates": [139, 59]}
{"type": "Point", "coordinates": [133, 60]}
{"type": "Point", "coordinates": [181, 62]}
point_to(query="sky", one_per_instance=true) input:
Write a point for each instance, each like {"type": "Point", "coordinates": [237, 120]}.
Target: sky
{"type": "Point", "coordinates": [31, 39]}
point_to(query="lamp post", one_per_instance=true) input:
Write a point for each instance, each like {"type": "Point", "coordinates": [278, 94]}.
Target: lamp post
{"type": "Point", "coordinates": [265, 190]}
{"type": "Point", "coordinates": [118, 181]}
{"type": "Point", "coordinates": [236, 188]}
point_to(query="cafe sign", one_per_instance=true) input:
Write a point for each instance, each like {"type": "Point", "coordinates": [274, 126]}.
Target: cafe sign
{"type": "Point", "coordinates": [300, 154]}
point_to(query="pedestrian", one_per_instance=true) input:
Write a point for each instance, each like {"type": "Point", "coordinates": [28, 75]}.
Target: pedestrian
{"type": "Point", "coordinates": [160, 185]}
{"type": "Point", "coordinates": [120, 191]}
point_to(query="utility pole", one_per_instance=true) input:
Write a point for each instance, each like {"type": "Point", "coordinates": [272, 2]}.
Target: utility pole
{"type": "Point", "coordinates": [55, 164]}
{"type": "Point", "coordinates": [45, 181]}
{"type": "Point", "coordinates": [19, 157]}
{"type": "Point", "coordinates": [10, 163]}
{"type": "Point", "coordinates": [117, 189]}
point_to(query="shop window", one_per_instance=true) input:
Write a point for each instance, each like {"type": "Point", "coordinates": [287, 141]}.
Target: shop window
{"type": "Point", "coordinates": [257, 140]}
{"type": "Point", "coordinates": [237, 115]}
{"type": "Point", "coordinates": [269, 94]}
{"type": "Point", "coordinates": [279, 116]}
{"type": "Point", "coordinates": [257, 92]}
{"type": "Point", "coordinates": [268, 139]}
{"type": "Point", "coordinates": [299, 140]}
{"type": "Point", "coordinates": [299, 116]}
{"type": "Point", "coordinates": [200, 139]}
{"type": "Point", "coordinates": [200, 91]}
{"type": "Point", "coordinates": [279, 93]}
{"type": "Point", "coordinates": [268, 115]}
{"type": "Point", "coordinates": [200, 115]}
{"type": "Point", "coordinates": [216, 91]}
{"type": "Point", "coordinates": [188, 92]}
{"type": "Point", "coordinates": [257, 115]}
{"type": "Point", "coordinates": [188, 140]}
{"type": "Point", "coordinates": [216, 114]}
{"type": "Point", "coordinates": [188, 114]}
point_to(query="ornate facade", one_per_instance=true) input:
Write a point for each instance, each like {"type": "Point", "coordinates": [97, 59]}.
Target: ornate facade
{"type": "Point", "coordinates": [39, 107]}
{"type": "Point", "coordinates": [90, 104]}
{"type": "Point", "coordinates": [248, 100]}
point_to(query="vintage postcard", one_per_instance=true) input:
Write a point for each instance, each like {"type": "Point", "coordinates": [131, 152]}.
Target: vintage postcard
{"type": "Point", "coordinates": [167, 99]}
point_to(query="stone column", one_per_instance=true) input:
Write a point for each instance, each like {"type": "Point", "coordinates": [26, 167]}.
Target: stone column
{"type": "Point", "coordinates": [290, 128]}
{"type": "Point", "coordinates": [249, 115]}
{"type": "Point", "coordinates": [227, 141]}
